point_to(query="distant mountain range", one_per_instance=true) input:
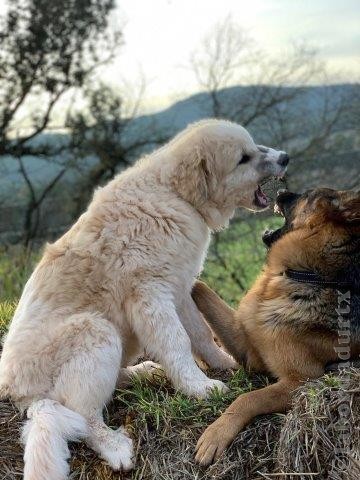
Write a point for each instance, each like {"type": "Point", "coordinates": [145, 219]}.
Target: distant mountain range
{"type": "Point", "coordinates": [199, 106]}
{"type": "Point", "coordinates": [173, 119]}
{"type": "Point", "coordinates": [168, 122]}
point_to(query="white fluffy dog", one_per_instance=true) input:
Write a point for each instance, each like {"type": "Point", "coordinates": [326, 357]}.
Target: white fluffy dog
{"type": "Point", "coordinates": [118, 284]}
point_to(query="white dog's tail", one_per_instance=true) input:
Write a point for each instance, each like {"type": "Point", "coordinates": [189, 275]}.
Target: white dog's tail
{"type": "Point", "coordinates": [45, 435]}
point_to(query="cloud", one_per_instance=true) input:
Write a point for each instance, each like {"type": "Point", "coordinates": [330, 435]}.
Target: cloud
{"type": "Point", "coordinates": [160, 34]}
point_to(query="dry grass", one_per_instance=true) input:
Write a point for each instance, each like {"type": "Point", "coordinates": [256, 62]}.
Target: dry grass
{"type": "Point", "coordinates": [321, 433]}
{"type": "Point", "coordinates": [165, 426]}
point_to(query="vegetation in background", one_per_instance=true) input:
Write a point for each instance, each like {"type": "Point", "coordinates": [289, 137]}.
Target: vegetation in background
{"type": "Point", "coordinates": [275, 103]}
{"type": "Point", "coordinates": [16, 265]}
{"type": "Point", "coordinates": [48, 49]}
{"type": "Point", "coordinates": [56, 173]}
{"type": "Point", "coordinates": [100, 131]}
{"type": "Point", "coordinates": [236, 256]}
{"type": "Point", "coordinates": [7, 310]}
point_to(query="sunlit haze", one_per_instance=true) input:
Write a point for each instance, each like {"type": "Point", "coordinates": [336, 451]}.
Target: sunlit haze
{"type": "Point", "coordinates": [160, 35]}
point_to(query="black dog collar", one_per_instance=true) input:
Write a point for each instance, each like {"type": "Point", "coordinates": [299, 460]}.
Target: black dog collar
{"type": "Point", "coordinates": [315, 279]}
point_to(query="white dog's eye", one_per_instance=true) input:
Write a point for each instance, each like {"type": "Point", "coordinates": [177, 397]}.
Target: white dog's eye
{"type": "Point", "coordinates": [244, 159]}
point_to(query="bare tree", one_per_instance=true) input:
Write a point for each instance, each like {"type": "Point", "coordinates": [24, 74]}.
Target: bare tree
{"type": "Point", "coordinates": [222, 54]}
{"type": "Point", "coordinates": [48, 48]}
{"type": "Point", "coordinates": [227, 57]}
{"type": "Point", "coordinates": [277, 102]}
{"type": "Point", "coordinates": [36, 199]}
{"type": "Point", "coordinates": [103, 131]}
{"type": "Point", "coordinates": [276, 99]}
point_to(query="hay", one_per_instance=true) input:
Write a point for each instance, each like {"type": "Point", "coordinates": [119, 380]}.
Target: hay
{"type": "Point", "coordinates": [166, 426]}
{"type": "Point", "coordinates": [321, 433]}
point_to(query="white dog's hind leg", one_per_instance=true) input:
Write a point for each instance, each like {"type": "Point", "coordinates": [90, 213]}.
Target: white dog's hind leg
{"type": "Point", "coordinates": [114, 446]}
{"type": "Point", "coordinates": [86, 382]}
{"type": "Point", "coordinates": [156, 323]}
{"type": "Point", "coordinates": [202, 340]}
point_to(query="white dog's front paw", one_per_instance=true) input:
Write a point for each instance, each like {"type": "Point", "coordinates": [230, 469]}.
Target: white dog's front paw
{"type": "Point", "coordinates": [203, 388]}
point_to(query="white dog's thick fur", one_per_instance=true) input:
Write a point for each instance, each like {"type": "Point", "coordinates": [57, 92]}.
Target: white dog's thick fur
{"type": "Point", "coordinates": [117, 284]}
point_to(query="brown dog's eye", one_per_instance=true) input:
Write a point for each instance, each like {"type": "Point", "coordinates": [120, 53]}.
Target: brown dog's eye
{"type": "Point", "coordinates": [244, 159]}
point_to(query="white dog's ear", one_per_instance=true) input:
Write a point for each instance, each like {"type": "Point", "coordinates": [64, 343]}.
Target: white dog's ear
{"type": "Point", "coordinates": [194, 175]}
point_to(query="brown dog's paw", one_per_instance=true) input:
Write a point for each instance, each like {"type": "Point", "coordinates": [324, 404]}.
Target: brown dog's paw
{"type": "Point", "coordinates": [212, 443]}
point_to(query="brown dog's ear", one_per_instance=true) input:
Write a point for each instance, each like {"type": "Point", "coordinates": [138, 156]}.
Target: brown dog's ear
{"type": "Point", "coordinates": [346, 208]}
{"type": "Point", "coordinates": [351, 210]}
{"type": "Point", "coordinates": [342, 207]}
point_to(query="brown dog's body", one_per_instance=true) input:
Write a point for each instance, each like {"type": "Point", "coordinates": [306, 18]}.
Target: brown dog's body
{"type": "Point", "coordinates": [286, 327]}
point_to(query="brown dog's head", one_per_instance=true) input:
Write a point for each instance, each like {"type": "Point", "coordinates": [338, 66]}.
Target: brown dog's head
{"type": "Point", "coordinates": [324, 225]}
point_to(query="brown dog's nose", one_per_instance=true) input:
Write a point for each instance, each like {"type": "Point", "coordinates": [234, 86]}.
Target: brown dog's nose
{"type": "Point", "coordinates": [284, 159]}
{"type": "Point", "coordinates": [284, 197]}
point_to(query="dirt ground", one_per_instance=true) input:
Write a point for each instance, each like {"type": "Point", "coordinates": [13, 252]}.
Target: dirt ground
{"type": "Point", "coordinates": [319, 437]}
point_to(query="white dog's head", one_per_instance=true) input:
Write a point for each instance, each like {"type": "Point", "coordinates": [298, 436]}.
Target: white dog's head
{"type": "Point", "coordinates": [219, 168]}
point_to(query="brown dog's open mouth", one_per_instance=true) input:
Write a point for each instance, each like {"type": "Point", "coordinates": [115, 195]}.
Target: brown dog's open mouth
{"type": "Point", "coordinates": [271, 236]}
{"type": "Point", "coordinates": [261, 200]}
{"type": "Point", "coordinates": [284, 203]}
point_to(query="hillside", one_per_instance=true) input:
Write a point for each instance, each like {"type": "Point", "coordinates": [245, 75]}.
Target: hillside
{"type": "Point", "coordinates": [329, 169]}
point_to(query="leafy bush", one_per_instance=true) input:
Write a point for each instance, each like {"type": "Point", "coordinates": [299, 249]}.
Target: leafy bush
{"type": "Point", "coordinates": [236, 257]}
{"type": "Point", "coordinates": [16, 265]}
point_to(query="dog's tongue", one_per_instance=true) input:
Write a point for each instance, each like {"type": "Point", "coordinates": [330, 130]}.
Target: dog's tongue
{"type": "Point", "coordinates": [260, 197]}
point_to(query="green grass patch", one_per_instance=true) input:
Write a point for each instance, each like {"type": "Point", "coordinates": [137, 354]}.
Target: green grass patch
{"type": "Point", "coordinates": [331, 380]}
{"type": "Point", "coordinates": [16, 265]}
{"type": "Point", "coordinates": [7, 310]}
{"type": "Point", "coordinates": [236, 257]}
{"type": "Point", "coordinates": [154, 401]}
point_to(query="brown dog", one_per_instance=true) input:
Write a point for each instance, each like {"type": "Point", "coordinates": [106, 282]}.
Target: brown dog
{"type": "Point", "coordinates": [302, 313]}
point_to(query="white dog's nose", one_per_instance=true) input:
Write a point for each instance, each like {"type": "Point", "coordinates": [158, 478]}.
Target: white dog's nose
{"type": "Point", "coordinates": [284, 159]}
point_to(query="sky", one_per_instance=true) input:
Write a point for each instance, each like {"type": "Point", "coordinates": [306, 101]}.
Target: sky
{"type": "Point", "coordinates": [160, 35]}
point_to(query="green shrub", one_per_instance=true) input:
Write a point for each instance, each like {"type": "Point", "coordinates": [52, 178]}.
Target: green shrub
{"type": "Point", "coordinates": [7, 310]}
{"type": "Point", "coordinates": [236, 257]}
{"type": "Point", "coordinates": [16, 265]}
